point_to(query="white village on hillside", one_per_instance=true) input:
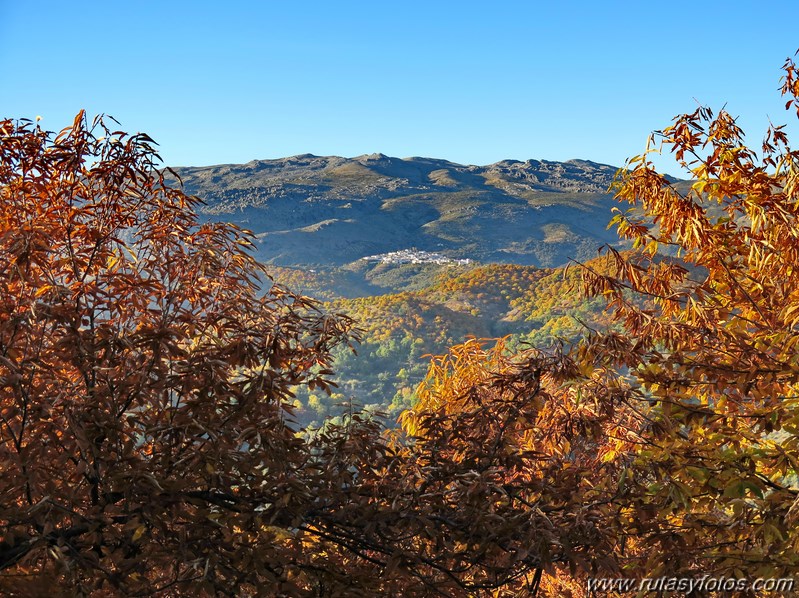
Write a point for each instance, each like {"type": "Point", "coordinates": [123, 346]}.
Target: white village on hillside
{"type": "Point", "coordinates": [414, 256]}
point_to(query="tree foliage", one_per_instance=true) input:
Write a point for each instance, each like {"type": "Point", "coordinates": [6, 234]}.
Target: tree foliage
{"type": "Point", "coordinates": [143, 380]}
{"type": "Point", "coordinates": [532, 450]}
{"type": "Point", "coordinates": [713, 359]}
{"type": "Point", "coordinates": [690, 459]}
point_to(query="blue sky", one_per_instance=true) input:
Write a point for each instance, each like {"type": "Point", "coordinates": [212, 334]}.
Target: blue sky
{"type": "Point", "coordinates": [473, 82]}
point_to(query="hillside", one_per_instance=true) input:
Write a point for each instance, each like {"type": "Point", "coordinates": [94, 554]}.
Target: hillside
{"type": "Point", "coordinates": [312, 211]}
{"type": "Point", "coordinates": [535, 306]}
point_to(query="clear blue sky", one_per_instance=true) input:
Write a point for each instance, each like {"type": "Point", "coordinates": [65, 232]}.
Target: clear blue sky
{"type": "Point", "coordinates": [473, 82]}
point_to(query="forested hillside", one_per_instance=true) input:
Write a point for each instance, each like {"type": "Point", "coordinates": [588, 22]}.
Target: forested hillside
{"type": "Point", "coordinates": [531, 306]}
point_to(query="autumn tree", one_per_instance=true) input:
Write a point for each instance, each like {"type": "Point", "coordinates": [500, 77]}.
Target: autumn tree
{"type": "Point", "coordinates": [144, 380]}
{"type": "Point", "coordinates": [520, 448]}
{"type": "Point", "coordinates": [712, 360]}
{"type": "Point", "coordinates": [688, 411]}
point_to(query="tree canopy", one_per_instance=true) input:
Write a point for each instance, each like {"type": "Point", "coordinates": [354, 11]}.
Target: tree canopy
{"type": "Point", "coordinates": [712, 360]}
{"type": "Point", "coordinates": [688, 414]}
{"type": "Point", "coordinates": [143, 413]}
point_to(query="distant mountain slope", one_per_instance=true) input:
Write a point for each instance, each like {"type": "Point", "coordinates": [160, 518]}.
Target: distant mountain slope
{"type": "Point", "coordinates": [330, 211]}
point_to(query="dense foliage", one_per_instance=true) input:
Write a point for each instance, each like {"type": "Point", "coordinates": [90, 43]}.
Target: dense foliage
{"type": "Point", "coordinates": [714, 362]}
{"type": "Point", "coordinates": [143, 379]}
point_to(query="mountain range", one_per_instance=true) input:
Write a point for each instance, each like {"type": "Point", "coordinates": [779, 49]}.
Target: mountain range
{"type": "Point", "coordinates": [329, 211]}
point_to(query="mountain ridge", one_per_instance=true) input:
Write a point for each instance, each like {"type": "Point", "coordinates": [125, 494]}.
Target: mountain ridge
{"type": "Point", "coordinates": [309, 210]}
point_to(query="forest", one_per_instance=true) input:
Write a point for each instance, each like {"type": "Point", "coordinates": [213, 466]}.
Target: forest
{"type": "Point", "coordinates": [164, 399]}
{"type": "Point", "coordinates": [523, 305]}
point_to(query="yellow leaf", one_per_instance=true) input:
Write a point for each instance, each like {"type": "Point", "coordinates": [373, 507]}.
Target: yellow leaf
{"type": "Point", "coordinates": [139, 532]}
